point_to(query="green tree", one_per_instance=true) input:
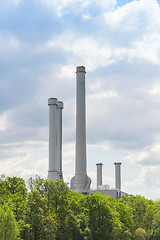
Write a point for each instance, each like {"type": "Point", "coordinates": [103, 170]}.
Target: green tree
{"type": "Point", "coordinates": [18, 193]}
{"type": "Point", "coordinates": [124, 228]}
{"type": "Point", "coordinates": [100, 217]}
{"type": "Point", "coordinates": [150, 212]}
{"type": "Point", "coordinates": [8, 225]}
{"type": "Point", "coordinates": [125, 215]}
{"type": "Point", "coordinates": [48, 214]}
{"type": "Point", "coordinates": [35, 216]}
{"type": "Point", "coordinates": [140, 234]}
{"type": "Point", "coordinates": [142, 209]}
{"type": "Point", "coordinates": [79, 210]}
{"type": "Point", "coordinates": [57, 194]}
{"type": "Point", "coordinates": [154, 233]}
{"type": "Point", "coordinates": [122, 234]}
{"type": "Point", "coordinates": [13, 190]}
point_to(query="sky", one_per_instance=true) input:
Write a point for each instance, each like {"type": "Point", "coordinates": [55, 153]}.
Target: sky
{"type": "Point", "coordinates": [118, 41]}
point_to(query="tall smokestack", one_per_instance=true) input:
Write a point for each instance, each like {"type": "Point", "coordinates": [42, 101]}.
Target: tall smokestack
{"type": "Point", "coordinates": [55, 139]}
{"type": "Point", "coordinates": [59, 139]}
{"type": "Point", "coordinates": [118, 175]}
{"type": "Point", "coordinates": [53, 167]}
{"type": "Point", "coordinates": [99, 174]}
{"type": "Point", "coordinates": [81, 182]}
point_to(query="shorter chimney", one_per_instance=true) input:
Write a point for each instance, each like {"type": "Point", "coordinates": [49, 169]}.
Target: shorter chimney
{"type": "Point", "coordinates": [118, 175]}
{"type": "Point", "coordinates": [99, 174]}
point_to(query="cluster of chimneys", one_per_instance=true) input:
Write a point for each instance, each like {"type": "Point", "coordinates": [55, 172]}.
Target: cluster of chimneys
{"type": "Point", "coordinates": [80, 182]}
{"type": "Point", "coordinates": [117, 175]}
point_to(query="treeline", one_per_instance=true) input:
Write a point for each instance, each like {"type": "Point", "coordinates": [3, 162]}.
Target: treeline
{"type": "Point", "coordinates": [47, 210]}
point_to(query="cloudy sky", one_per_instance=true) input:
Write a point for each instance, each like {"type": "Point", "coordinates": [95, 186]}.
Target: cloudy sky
{"type": "Point", "coordinates": [118, 41]}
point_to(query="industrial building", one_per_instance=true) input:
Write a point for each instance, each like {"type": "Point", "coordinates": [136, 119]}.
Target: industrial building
{"type": "Point", "coordinates": [81, 181]}
{"type": "Point", "coordinates": [116, 192]}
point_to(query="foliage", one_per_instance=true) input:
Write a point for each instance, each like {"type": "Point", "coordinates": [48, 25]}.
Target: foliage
{"type": "Point", "coordinates": [8, 224]}
{"type": "Point", "coordinates": [49, 210]}
{"type": "Point", "coordinates": [140, 234]}
{"type": "Point", "coordinates": [100, 217]}
{"type": "Point", "coordinates": [155, 231]}
{"type": "Point", "coordinates": [141, 209]}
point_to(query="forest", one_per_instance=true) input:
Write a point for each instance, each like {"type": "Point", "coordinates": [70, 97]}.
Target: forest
{"type": "Point", "coordinates": [49, 210]}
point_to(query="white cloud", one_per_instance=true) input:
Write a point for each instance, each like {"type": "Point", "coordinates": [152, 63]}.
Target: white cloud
{"type": "Point", "coordinates": [103, 95]}
{"type": "Point", "coordinates": [87, 16]}
{"type": "Point", "coordinates": [3, 122]}
{"type": "Point", "coordinates": [85, 49]}
{"type": "Point", "coordinates": [9, 43]}
{"type": "Point", "coordinates": [79, 5]}
{"type": "Point", "coordinates": [145, 183]}
{"type": "Point", "coordinates": [147, 156]}
{"type": "Point", "coordinates": [17, 1]}
{"type": "Point", "coordinates": [148, 48]}
{"type": "Point", "coordinates": [154, 90]}
{"type": "Point", "coordinates": [110, 4]}
{"type": "Point", "coordinates": [134, 15]}
{"type": "Point", "coordinates": [60, 5]}
{"type": "Point", "coordinates": [66, 72]}
{"type": "Point", "coordinates": [122, 120]}
{"type": "Point", "coordinates": [136, 26]}
{"type": "Point", "coordinates": [69, 152]}
{"type": "Point", "coordinates": [10, 2]}
{"type": "Point", "coordinates": [14, 43]}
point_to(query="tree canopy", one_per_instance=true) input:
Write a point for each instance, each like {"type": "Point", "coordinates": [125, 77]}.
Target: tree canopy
{"type": "Point", "coordinates": [49, 210]}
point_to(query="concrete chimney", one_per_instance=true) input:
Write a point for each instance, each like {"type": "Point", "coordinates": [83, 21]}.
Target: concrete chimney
{"type": "Point", "coordinates": [99, 174]}
{"type": "Point", "coordinates": [59, 139]}
{"type": "Point", "coordinates": [53, 166]}
{"type": "Point", "coordinates": [118, 175]}
{"type": "Point", "coordinates": [81, 182]}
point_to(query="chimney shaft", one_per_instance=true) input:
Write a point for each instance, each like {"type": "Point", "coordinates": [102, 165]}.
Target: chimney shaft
{"type": "Point", "coordinates": [99, 174]}
{"type": "Point", "coordinates": [52, 173]}
{"type": "Point", "coordinates": [80, 171]}
{"type": "Point", "coordinates": [118, 175]}
{"type": "Point", "coordinates": [81, 182]}
{"type": "Point", "coordinates": [55, 139]}
{"type": "Point", "coordinates": [80, 123]}
{"type": "Point", "coordinates": [59, 139]}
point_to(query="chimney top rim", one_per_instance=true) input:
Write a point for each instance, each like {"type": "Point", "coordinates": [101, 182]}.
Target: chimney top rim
{"type": "Point", "coordinates": [80, 69]}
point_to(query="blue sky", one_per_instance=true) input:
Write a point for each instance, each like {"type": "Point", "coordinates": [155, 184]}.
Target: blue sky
{"type": "Point", "coordinates": [41, 43]}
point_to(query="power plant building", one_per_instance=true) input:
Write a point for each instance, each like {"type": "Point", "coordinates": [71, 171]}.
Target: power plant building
{"type": "Point", "coordinates": [116, 192]}
{"type": "Point", "coordinates": [80, 182]}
